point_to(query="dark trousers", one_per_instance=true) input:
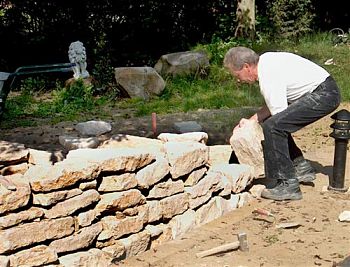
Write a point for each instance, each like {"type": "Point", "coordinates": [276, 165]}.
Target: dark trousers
{"type": "Point", "coordinates": [279, 146]}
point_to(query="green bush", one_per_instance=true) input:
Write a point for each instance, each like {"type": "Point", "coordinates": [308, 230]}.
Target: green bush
{"type": "Point", "coordinates": [290, 18]}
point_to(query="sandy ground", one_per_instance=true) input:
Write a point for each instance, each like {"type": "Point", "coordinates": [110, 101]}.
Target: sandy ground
{"type": "Point", "coordinates": [318, 240]}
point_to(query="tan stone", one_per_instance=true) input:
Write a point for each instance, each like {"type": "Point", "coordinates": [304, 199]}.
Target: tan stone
{"type": "Point", "coordinates": [219, 154]}
{"type": "Point", "coordinates": [115, 251]}
{"type": "Point", "coordinates": [208, 212]}
{"type": "Point", "coordinates": [35, 256]}
{"type": "Point", "coordinates": [194, 177]}
{"type": "Point", "coordinates": [239, 175]}
{"type": "Point", "coordinates": [120, 200]}
{"type": "Point", "coordinates": [131, 141]}
{"type": "Point", "coordinates": [44, 158]}
{"type": "Point", "coordinates": [155, 211]}
{"type": "Point", "coordinates": [71, 205]}
{"type": "Point", "coordinates": [200, 137]}
{"type": "Point", "coordinates": [18, 217]}
{"type": "Point", "coordinates": [184, 157]}
{"type": "Point", "coordinates": [246, 143]}
{"type": "Point", "coordinates": [35, 232]}
{"type": "Point", "coordinates": [4, 261]}
{"type": "Point", "coordinates": [61, 175]}
{"type": "Point", "coordinates": [88, 185]}
{"type": "Point", "coordinates": [12, 153]}
{"type": "Point", "coordinates": [116, 228]}
{"type": "Point", "coordinates": [153, 173]}
{"type": "Point", "coordinates": [174, 205]}
{"type": "Point", "coordinates": [120, 182]}
{"type": "Point", "coordinates": [183, 223]}
{"type": "Point", "coordinates": [136, 243]}
{"type": "Point", "coordinates": [48, 199]}
{"type": "Point", "coordinates": [82, 239]}
{"type": "Point", "coordinates": [91, 258]}
{"type": "Point", "coordinates": [109, 159]}
{"type": "Point", "coordinates": [12, 200]}
{"type": "Point", "coordinates": [12, 169]}
{"type": "Point", "coordinates": [166, 189]}
{"type": "Point", "coordinates": [87, 217]}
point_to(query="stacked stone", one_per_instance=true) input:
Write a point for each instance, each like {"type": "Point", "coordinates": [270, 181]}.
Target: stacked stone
{"type": "Point", "coordinates": [102, 205]}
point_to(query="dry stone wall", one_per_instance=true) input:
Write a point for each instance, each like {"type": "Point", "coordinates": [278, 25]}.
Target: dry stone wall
{"type": "Point", "coordinates": [96, 207]}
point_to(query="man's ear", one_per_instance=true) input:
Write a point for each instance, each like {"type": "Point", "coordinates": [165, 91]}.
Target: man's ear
{"type": "Point", "coordinates": [246, 65]}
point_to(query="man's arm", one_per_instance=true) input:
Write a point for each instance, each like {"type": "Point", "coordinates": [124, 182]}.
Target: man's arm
{"type": "Point", "coordinates": [262, 114]}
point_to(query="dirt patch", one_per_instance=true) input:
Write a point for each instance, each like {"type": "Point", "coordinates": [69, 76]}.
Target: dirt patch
{"type": "Point", "coordinates": [319, 240]}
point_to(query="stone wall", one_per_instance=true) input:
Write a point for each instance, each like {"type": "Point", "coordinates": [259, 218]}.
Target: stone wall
{"type": "Point", "coordinates": [96, 207]}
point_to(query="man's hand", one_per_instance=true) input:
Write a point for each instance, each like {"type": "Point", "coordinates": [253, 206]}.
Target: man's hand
{"type": "Point", "coordinates": [241, 123]}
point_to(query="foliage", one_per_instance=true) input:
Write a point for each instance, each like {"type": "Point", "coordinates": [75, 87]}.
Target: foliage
{"type": "Point", "coordinates": [218, 90]}
{"type": "Point", "coordinates": [290, 18]}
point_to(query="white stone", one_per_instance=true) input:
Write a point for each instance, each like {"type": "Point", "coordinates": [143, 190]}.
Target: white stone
{"type": "Point", "coordinates": [200, 137]}
{"type": "Point", "coordinates": [246, 143]}
{"type": "Point", "coordinates": [72, 142]}
{"type": "Point", "coordinates": [344, 216]}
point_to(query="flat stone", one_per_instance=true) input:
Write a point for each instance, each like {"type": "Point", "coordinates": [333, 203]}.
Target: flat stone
{"type": "Point", "coordinates": [187, 126]}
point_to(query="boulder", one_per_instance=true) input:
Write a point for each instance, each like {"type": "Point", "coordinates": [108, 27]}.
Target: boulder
{"type": "Point", "coordinates": [182, 63]}
{"type": "Point", "coordinates": [142, 82]}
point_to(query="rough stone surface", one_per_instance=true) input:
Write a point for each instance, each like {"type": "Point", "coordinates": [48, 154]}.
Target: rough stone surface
{"type": "Point", "coordinates": [195, 176]}
{"type": "Point", "coordinates": [79, 240]}
{"type": "Point", "coordinates": [187, 127]}
{"type": "Point", "coordinates": [182, 63]}
{"type": "Point", "coordinates": [142, 82]}
{"type": "Point", "coordinates": [120, 182]}
{"type": "Point", "coordinates": [91, 258]}
{"type": "Point", "coordinates": [36, 256]}
{"type": "Point", "coordinates": [49, 199]}
{"type": "Point", "coordinates": [152, 173]}
{"type": "Point", "coordinates": [184, 157]}
{"type": "Point", "coordinates": [200, 137]}
{"type": "Point", "coordinates": [93, 128]}
{"type": "Point", "coordinates": [73, 142]}
{"type": "Point", "coordinates": [246, 143]}
{"type": "Point", "coordinates": [12, 153]}
{"type": "Point", "coordinates": [136, 243]}
{"type": "Point", "coordinates": [239, 175]}
{"type": "Point", "coordinates": [71, 205]}
{"type": "Point", "coordinates": [22, 216]}
{"type": "Point", "coordinates": [120, 200]}
{"type": "Point", "coordinates": [31, 233]}
{"type": "Point", "coordinates": [166, 189]}
{"type": "Point", "coordinates": [11, 200]}
{"type": "Point", "coordinates": [131, 141]}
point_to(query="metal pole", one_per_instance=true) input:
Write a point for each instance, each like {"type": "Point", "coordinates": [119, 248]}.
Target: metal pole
{"type": "Point", "coordinates": [337, 181]}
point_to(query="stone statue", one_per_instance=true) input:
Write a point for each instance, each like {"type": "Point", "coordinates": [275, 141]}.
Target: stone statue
{"type": "Point", "coordinates": [77, 55]}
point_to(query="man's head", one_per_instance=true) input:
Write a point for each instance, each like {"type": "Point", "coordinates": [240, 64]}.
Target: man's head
{"type": "Point", "coordinates": [242, 63]}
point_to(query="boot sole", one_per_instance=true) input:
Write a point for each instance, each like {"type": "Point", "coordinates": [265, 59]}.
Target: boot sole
{"type": "Point", "coordinates": [293, 196]}
{"type": "Point", "coordinates": [307, 178]}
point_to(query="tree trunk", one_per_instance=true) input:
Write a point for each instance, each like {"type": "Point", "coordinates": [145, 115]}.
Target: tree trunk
{"type": "Point", "coordinates": [245, 15]}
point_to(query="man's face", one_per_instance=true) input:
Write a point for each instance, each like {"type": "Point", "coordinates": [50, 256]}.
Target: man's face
{"type": "Point", "coordinates": [245, 74]}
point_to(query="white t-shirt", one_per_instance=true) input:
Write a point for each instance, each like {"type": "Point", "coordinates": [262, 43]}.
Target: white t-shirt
{"type": "Point", "coordinates": [284, 77]}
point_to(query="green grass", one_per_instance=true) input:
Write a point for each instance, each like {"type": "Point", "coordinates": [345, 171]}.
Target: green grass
{"type": "Point", "coordinates": [218, 90]}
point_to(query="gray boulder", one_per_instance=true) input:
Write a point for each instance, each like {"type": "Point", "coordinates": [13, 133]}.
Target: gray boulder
{"type": "Point", "coordinates": [182, 64]}
{"type": "Point", "coordinates": [142, 82]}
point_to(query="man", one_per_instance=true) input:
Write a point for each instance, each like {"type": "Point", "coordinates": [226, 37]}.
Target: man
{"type": "Point", "coordinates": [297, 92]}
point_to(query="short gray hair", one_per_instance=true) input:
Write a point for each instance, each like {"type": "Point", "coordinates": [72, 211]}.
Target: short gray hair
{"type": "Point", "coordinates": [236, 57]}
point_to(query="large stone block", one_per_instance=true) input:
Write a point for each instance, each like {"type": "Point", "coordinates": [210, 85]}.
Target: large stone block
{"type": "Point", "coordinates": [246, 143]}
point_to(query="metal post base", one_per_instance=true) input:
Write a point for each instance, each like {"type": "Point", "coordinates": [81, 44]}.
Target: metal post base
{"type": "Point", "coordinates": [342, 190]}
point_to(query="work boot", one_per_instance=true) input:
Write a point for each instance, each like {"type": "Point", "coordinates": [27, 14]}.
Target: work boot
{"type": "Point", "coordinates": [284, 190]}
{"type": "Point", "coordinates": [304, 172]}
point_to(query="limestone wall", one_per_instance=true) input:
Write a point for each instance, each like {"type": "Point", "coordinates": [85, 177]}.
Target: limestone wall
{"type": "Point", "coordinates": [98, 206]}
